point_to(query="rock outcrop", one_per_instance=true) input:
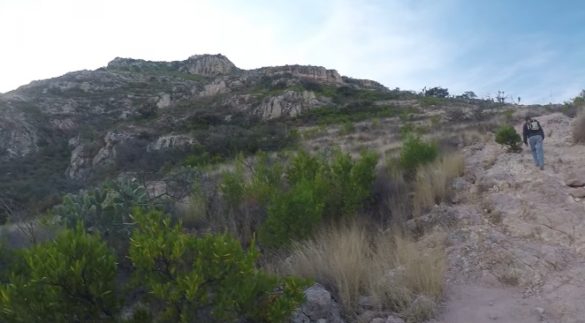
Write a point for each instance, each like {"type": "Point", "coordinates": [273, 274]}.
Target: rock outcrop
{"type": "Point", "coordinates": [171, 141]}
{"type": "Point", "coordinates": [315, 73]}
{"type": "Point", "coordinates": [288, 104]}
{"type": "Point", "coordinates": [209, 65]}
{"type": "Point", "coordinates": [18, 137]}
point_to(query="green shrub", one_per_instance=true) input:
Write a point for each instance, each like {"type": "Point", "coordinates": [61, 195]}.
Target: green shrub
{"type": "Point", "coordinates": [346, 128]}
{"type": "Point", "coordinates": [416, 152]}
{"type": "Point", "coordinates": [233, 186]}
{"type": "Point", "coordinates": [507, 136]}
{"type": "Point", "coordinates": [296, 196]}
{"type": "Point", "coordinates": [319, 188]}
{"type": "Point", "coordinates": [292, 215]}
{"type": "Point", "coordinates": [202, 279]}
{"type": "Point", "coordinates": [71, 279]}
{"type": "Point", "coordinates": [348, 183]}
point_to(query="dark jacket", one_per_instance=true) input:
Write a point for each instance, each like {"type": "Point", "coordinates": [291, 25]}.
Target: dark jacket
{"type": "Point", "coordinates": [527, 133]}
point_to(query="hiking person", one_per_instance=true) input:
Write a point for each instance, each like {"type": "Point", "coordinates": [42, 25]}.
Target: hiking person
{"type": "Point", "coordinates": [533, 134]}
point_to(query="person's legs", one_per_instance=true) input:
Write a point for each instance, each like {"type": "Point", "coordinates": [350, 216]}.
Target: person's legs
{"type": "Point", "coordinates": [532, 143]}
{"type": "Point", "coordinates": [539, 152]}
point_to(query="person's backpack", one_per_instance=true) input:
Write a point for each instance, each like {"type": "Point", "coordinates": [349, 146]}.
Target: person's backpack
{"type": "Point", "coordinates": [533, 125]}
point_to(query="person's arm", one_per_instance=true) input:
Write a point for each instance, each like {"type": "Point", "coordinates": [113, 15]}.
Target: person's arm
{"type": "Point", "coordinates": [525, 134]}
{"type": "Point", "coordinates": [541, 131]}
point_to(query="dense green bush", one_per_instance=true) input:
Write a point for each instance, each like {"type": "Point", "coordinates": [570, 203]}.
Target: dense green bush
{"type": "Point", "coordinates": [507, 136]}
{"type": "Point", "coordinates": [175, 277]}
{"type": "Point", "coordinates": [348, 183]}
{"type": "Point", "coordinates": [416, 152]}
{"type": "Point", "coordinates": [205, 279]}
{"type": "Point", "coordinates": [71, 279]}
{"type": "Point", "coordinates": [292, 215]}
{"type": "Point", "coordinates": [297, 195]}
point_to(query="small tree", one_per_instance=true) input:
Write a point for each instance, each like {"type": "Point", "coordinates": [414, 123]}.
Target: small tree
{"type": "Point", "coordinates": [416, 152]}
{"type": "Point", "coordinates": [437, 92]}
{"type": "Point", "coordinates": [470, 95]}
{"type": "Point", "coordinates": [507, 136]}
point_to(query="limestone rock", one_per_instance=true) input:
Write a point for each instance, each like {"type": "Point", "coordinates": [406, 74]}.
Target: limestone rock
{"type": "Point", "coordinates": [290, 103]}
{"type": "Point", "coordinates": [18, 138]}
{"type": "Point", "coordinates": [578, 192]}
{"type": "Point", "coordinates": [214, 88]}
{"type": "Point", "coordinates": [80, 162]}
{"type": "Point", "coordinates": [210, 65]}
{"type": "Point", "coordinates": [107, 153]}
{"type": "Point", "coordinates": [389, 319]}
{"type": "Point", "coordinates": [164, 101]}
{"type": "Point", "coordinates": [316, 73]}
{"type": "Point", "coordinates": [171, 142]}
{"type": "Point", "coordinates": [318, 306]}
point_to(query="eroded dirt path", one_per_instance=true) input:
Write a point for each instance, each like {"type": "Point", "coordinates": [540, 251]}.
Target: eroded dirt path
{"type": "Point", "coordinates": [517, 252]}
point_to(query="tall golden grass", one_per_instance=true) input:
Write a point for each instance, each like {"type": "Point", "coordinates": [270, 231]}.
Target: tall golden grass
{"type": "Point", "coordinates": [392, 270]}
{"type": "Point", "coordinates": [431, 185]}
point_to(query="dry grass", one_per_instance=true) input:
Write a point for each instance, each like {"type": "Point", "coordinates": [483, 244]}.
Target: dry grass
{"type": "Point", "coordinates": [192, 211]}
{"type": "Point", "coordinates": [394, 271]}
{"type": "Point", "coordinates": [432, 181]}
{"type": "Point", "coordinates": [579, 127]}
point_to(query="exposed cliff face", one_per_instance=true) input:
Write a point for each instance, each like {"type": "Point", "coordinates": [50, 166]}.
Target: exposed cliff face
{"type": "Point", "coordinates": [18, 137]}
{"type": "Point", "coordinates": [315, 73]}
{"type": "Point", "coordinates": [289, 104]}
{"type": "Point", "coordinates": [209, 65]}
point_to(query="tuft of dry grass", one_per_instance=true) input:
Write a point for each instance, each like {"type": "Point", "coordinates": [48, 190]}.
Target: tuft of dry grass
{"type": "Point", "coordinates": [431, 184]}
{"type": "Point", "coordinates": [193, 210]}
{"type": "Point", "coordinates": [579, 127]}
{"type": "Point", "coordinates": [394, 271]}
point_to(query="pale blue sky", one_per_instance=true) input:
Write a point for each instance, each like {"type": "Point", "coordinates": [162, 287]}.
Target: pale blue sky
{"type": "Point", "coordinates": [532, 49]}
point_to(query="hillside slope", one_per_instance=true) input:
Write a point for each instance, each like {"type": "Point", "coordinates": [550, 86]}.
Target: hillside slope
{"type": "Point", "coordinates": [516, 254]}
{"type": "Point", "coordinates": [62, 134]}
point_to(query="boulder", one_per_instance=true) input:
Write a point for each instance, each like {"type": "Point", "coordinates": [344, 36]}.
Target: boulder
{"type": "Point", "coordinates": [318, 307]}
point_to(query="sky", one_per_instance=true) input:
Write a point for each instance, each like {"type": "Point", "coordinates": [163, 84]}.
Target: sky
{"type": "Point", "coordinates": [533, 49]}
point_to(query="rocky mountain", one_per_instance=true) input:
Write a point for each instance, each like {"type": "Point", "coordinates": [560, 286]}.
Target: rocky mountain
{"type": "Point", "coordinates": [140, 115]}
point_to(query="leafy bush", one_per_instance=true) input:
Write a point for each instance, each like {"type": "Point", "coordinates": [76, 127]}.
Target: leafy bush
{"type": "Point", "coordinates": [319, 188]}
{"type": "Point", "coordinates": [507, 136]}
{"type": "Point", "coordinates": [210, 278]}
{"type": "Point", "coordinates": [349, 183]}
{"type": "Point", "coordinates": [416, 152]}
{"type": "Point", "coordinates": [70, 279]}
{"type": "Point", "coordinates": [292, 215]}
{"type": "Point", "coordinates": [297, 195]}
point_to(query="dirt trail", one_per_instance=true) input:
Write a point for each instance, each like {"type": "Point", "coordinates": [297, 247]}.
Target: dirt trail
{"type": "Point", "coordinates": [517, 253]}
